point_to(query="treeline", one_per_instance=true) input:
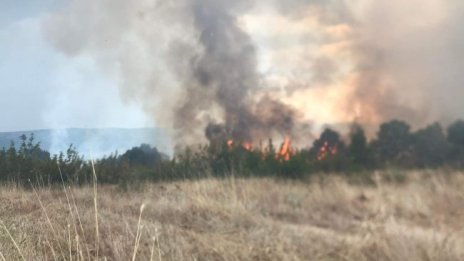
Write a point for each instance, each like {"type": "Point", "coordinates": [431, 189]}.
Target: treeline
{"type": "Point", "coordinates": [28, 164]}
{"type": "Point", "coordinates": [394, 146]}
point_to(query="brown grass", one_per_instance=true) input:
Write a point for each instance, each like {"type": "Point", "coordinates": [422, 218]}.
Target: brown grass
{"type": "Point", "coordinates": [236, 219]}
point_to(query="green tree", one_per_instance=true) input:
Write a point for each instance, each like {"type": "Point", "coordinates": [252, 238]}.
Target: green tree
{"type": "Point", "coordinates": [455, 135]}
{"type": "Point", "coordinates": [394, 143]}
{"type": "Point", "coordinates": [430, 146]}
{"type": "Point", "coordinates": [144, 155]}
{"type": "Point", "coordinates": [358, 148]}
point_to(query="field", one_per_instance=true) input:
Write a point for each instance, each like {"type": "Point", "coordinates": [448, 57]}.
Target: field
{"type": "Point", "coordinates": [399, 216]}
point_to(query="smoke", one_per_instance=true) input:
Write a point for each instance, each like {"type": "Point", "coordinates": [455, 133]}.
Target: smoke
{"type": "Point", "coordinates": [255, 69]}
{"type": "Point", "coordinates": [389, 59]}
{"type": "Point", "coordinates": [224, 76]}
{"type": "Point", "coordinates": [225, 70]}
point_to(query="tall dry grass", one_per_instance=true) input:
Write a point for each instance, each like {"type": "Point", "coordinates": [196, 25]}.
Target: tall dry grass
{"type": "Point", "coordinates": [236, 219]}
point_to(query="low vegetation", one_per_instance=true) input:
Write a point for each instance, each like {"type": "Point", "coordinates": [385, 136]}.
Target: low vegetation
{"type": "Point", "coordinates": [397, 197]}
{"type": "Point", "coordinates": [395, 146]}
{"type": "Point", "coordinates": [417, 217]}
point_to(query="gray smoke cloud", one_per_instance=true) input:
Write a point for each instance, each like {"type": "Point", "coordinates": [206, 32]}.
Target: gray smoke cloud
{"type": "Point", "coordinates": [194, 66]}
{"type": "Point", "coordinates": [226, 68]}
{"type": "Point", "coordinates": [224, 75]}
{"type": "Point", "coordinates": [207, 60]}
{"type": "Point", "coordinates": [413, 51]}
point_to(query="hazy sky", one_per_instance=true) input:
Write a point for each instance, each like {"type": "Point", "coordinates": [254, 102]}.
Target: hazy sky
{"type": "Point", "coordinates": [42, 88]}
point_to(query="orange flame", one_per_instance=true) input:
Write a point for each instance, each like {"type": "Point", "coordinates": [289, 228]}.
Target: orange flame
{"type": "Point", "coordinates": [230, 143]}
{"type": "Point", "coordinates": [286, 150]}
{"type": "Point", "coordinates": [326, 151]}
{"type": "Point", "coordinates": [247, 146]}
{"type": "Point", "coordinates": [284, 153]}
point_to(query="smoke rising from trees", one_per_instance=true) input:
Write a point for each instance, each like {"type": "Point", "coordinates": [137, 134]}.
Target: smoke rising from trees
{"type": "Point", "coordinates": [198, 63]}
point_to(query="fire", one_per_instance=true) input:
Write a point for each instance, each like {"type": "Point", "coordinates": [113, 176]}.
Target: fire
{"type": "Point", "coordinates": [326, 151]}
{"type": "Point", "coordinates": [284, 153]}
{"type": "Point", "coordinates": [286, 150]}
{"type": "Point", "coordinates": [230, 144]}
{"type": "Point", "coordinates": [248, 146]}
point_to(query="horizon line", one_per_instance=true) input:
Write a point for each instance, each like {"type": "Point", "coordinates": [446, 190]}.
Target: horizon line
{"type": "Point", "coordinates": [78, 128]}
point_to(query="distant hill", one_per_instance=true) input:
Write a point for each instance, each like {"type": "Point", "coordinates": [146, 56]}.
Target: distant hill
{"type": "Point", "coordinates": [94, 142]}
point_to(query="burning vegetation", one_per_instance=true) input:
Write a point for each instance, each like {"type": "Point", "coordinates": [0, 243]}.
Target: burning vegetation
{"type": "Point", "coordinates": [209, 78]}
{"type": "Point", "coordinates": [205, 61]}
{"type": "Point", "coordinates": [286, 150]}
{"type": "Point", "coordinates": [284, 153]}
{"type": "Point", "coordinates": [394, 146]}
{"type": "Point", "coordinates": [326, 151]}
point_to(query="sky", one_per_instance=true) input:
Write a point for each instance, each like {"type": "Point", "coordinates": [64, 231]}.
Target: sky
{"type": "Point", "coordinates": [40, 88]}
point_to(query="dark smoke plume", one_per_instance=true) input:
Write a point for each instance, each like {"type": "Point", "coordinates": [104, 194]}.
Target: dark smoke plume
{"type": "Point", "coordinates": [225, 74]}
{"type": "Point", "coordinates": [226, 67]}
{"type": "Point", "coordinates": [197, 68]}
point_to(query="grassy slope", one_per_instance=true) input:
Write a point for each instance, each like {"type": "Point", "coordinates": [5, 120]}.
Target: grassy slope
{"type": "Point", "coordinates": [258, 219]}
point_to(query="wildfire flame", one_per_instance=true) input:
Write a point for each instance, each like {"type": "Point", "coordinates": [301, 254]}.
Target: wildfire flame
{"type": "Point", "coordinates": [230, 143]}
{"type": "Point", "coordinates": [326, 151]}
{"type": "Point", "coordinates": [248, 146]}
{"type": "Point", "coordinates": [284, 153]}
{"type": "Point", "coordinates": [286, 150]}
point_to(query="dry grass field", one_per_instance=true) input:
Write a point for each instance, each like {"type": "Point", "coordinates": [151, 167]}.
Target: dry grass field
{"type": "Point", "coordinates": [327, 218]}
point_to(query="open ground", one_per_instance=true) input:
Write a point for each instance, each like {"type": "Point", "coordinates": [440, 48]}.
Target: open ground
{"type": "Point", "coordinates": [397, 216]}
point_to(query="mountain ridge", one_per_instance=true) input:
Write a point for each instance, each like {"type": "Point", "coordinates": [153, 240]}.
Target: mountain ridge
{"type": "Point", "coordinates": [92, 142]}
